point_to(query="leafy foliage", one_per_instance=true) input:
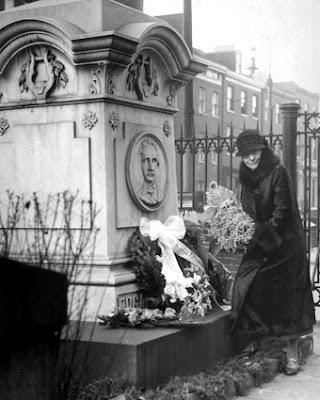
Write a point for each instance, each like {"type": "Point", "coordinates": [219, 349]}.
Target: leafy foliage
{"type": "Point", "coordinates": [146, 267]}
{"type": "Point", "coordinates": [194, 300]}
{"type": "Point", "coordinates": [105, 388]}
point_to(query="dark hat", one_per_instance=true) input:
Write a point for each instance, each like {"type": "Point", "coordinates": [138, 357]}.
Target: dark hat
{"type": "Point", "coordinates": [249, 141]}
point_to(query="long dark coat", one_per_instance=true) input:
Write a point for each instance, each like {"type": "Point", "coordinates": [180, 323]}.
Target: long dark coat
{"type": "Point", "coordinates": [272, 292]}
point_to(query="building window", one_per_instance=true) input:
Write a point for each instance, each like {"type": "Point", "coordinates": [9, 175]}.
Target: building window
{"type": "Point", "coordinates": [200, 186]}
{"type": "Point", "coordinates": [214, 157]}
{"type": "Point", "coordinates": [1, 5]}
{"type": "Point", "coordinates": [230, 98]}
{"type": "Point", "coordinates": [314, 151]}
{"type": "Point", "coordinates": [278, 115]}
{"type": "Point", "coordinates": [201, 153]}
{"type": "Point", "coordinates": [255, 109]}
{"type": "Point", "coordinates": [266, 109]}
{"type": "Point", "coordinates": [202, 100]}
{"type": "Point", "coordinates": [213, 75]}
{"type": "Point", "coordinates": [300, 192]}
{"type": "Point", "coordinates": [214, 104]}
{"type": "Point", "coordinates": [300, 146]}
{"type": "Point", "coordinates": [244, 102]}
{"type": "Point", "coordinates": [314, 192]}
{"type": "Point", "coordinates": [306, 107]}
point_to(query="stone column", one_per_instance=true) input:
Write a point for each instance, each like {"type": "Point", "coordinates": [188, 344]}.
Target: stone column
{"type": "Point", "coordinates": [289, 133]}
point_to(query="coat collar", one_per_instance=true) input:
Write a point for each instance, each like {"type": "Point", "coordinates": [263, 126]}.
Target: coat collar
{"type": "Point", "coordinates": [252, 179]}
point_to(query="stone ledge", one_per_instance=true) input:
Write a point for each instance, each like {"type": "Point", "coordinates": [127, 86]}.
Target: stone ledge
{"type": "Point", "coordinates": [225, 380]}
{"type": "Point", "coordinates": [149, 357]}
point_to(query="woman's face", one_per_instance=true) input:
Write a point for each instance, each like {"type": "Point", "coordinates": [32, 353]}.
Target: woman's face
{"type": "Point", "coordinates": [252, 160]}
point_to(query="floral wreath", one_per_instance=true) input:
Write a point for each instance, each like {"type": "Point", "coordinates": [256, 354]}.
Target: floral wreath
{"type": "Point", "coordinates": [176, 266]}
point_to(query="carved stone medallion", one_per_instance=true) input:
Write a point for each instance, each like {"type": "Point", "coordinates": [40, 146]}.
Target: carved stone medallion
{"type": "Point", "coordinates": [147, 171]}
{"type": "Point", "coordinates": [167, 128]}
{"type": "Point", "coordinates": [114, 120]}
{"type": "Point", "coordinates": [89, 120]}
{"type": "Point", "coordinates": [3, 126]}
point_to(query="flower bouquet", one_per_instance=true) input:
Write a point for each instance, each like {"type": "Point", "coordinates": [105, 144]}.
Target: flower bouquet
{"type": "Point", "coordinates": [222, 226]}
{"type": "Point", "coordinates": [224, 219]}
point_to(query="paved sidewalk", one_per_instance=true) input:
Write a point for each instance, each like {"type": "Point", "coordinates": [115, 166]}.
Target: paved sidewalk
{"type": "Point", "coordinates": [304, 386]}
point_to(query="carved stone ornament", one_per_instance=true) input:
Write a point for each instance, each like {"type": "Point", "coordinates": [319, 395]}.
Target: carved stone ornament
{"type": "Point", "coordinates": [171, 97]}
{"type": "Point", "coordinates": [147, 171]}
{"type": "Point", "coordinates": [111, 86]}
{"type": "Point", "coordinates": [142, 77]}
{"type": "Point", "coordinates": [97, 79]}
{"type": "Point", "coordinates": [114, 120]}
{"type": "Point", "coordinates": [3, 126]}
{"type": "Point", "coordinates": [41, 73]}
{"type": "Point", "coordinates": [167, 128]}
{"type": "Point", "coordinates": [89, 120]}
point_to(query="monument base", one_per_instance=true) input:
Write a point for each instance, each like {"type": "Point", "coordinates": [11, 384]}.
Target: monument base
{"type": "Point", "coordinates": [149, 357]}
{"type": "Point", "coordinates": [98, 290]}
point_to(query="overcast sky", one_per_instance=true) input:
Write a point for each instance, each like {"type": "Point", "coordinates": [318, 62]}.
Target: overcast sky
{"type": "Point", "coordinates": [291, 27]}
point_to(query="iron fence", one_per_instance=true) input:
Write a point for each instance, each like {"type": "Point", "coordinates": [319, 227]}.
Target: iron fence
{"type": "Point", "coordinates": [201, 160]}
{"type": "Point", "coordinates": [212, 157]}
{"type": "Point", "coordinates": [308, 189]}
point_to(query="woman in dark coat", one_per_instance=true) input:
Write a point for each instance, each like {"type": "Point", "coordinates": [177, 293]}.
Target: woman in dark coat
{"type": "Point", "coordinates": [272, 293]}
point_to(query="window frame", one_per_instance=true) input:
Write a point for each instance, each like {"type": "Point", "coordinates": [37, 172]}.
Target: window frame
{"type": "Point", "coordinates": [230, 99]}
{"type": "Point", "coordinates": [255, 105]}
{"type": "Point", "coordinates": [215, 105]}
{"type": "Point", "coordinates": [277, 113]}
{"type": "Point", "coordinates": [202, 100]}
{"type": "Point", "coordinates": [244, 102]}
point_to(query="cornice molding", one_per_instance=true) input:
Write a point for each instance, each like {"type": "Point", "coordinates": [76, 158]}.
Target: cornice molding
{"type": "Point", "coordinates": [78, 46]}
{"type": "Point", "coordinates": [116, 46]}
{"type": "Point", "coordinates": [169, 110]}
{"type": "Point", "coordinates": [169, 45]}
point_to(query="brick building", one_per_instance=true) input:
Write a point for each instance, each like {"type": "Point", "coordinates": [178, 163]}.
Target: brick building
{"type": "Point", "coordinates": [225, 100]}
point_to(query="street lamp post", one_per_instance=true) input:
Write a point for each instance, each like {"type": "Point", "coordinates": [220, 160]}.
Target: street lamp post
{"type": "Point", "coordinates": [269, 85]}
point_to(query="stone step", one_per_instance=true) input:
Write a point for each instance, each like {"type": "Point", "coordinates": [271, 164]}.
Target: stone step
{"type": "Point", "coordinates": [254, 371]}
{"type": "Point", "coordinates": [149, 357]}
{"type": "Point", "coordinates": [172, 357]}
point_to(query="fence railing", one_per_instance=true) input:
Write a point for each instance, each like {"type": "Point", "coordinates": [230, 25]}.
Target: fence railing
{"type": "Point", "coordinates": [308, 188]}
{"type": "Point", "coordinates": [201, 160]}
{"type": "Point", "coordinates": [212, 157]}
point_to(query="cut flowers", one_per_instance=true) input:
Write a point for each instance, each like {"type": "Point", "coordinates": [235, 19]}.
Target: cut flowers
{"type": "Point", "coordinates": [175, 263]}
{"type": "Point", "coordinates": [224, 219]}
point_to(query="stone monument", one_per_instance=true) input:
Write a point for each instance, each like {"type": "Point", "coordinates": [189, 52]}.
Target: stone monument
{"type": "Point", "coordinates": [88, 90]}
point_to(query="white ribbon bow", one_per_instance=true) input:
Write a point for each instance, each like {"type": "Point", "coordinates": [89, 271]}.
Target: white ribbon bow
{"type": "Point", "coordinates": [168, 236]}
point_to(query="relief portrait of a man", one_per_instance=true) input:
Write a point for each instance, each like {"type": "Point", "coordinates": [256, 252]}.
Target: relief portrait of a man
{"type": "Point", "coordinates": [147, 171]}
{"type": "Point", "coordinates": [149, 191]}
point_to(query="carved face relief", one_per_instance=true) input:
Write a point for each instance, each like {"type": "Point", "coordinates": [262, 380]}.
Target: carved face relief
{"type": "Point", "coordinates": [147, 171]}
